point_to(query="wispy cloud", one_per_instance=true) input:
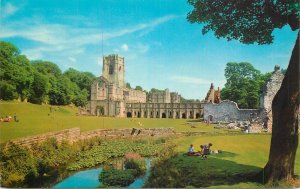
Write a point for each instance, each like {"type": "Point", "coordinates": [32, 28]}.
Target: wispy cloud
{"type": "Point", "coordinates": [8, 10]}
{"type": "Point", "coordinates": [124, 47]}
{"type": "Point", "coordinates": [72, 59]}
{"type": "Point", "coordinates": [61, 38]}
{"type": "Point", "coordinates": [189, 80]}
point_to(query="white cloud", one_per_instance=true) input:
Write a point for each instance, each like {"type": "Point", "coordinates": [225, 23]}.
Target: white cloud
{"type": "Point", "coordinates": [124, 47]}
{"type": "Point", "coordinates": [189, 80]}
{"type": "Point", "coordinates": [64, 41]}
{"type": "Point", "coordinates": [8, 10]}
{"type": "Point", "coordinates": [57, 34]}
{"type": "Point", "coordinates": [142, 48]}
{"type": "Point", "coordinates": [72, 59]}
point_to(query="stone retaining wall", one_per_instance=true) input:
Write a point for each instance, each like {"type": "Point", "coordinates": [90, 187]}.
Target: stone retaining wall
{"type": "Point", "coordinates": [72, 135]}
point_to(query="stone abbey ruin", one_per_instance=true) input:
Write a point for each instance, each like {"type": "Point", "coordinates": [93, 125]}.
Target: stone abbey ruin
{"type": "Point", "coordinates": [111, 97]}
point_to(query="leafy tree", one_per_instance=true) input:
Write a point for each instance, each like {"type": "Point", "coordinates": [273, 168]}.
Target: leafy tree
{"type": "Point", "coordinates": [82, 79]}
{"type": "Point", "coordinates": [7, 90]}
{"type": "Point", "coordinates": [62, 91]}
{"type": "Point", "coordinates": [156, 90]}
{"type": "Point", "coordinates": [81, 97]}
{"type": "Point", "coordinates": [128, 86]}
{"type": "Point", "coordinates": [39, 88]}
{"type": "Point", "coordinates": [139, 88]}
{"type": "Point", "coordinates": [15, 69]}
{"type": "Point", "coordinates": [46, 68]}
{"type": "Point", "coordinates": [244, 84]}
{"type": "Point", "coordinates": [253, 22]}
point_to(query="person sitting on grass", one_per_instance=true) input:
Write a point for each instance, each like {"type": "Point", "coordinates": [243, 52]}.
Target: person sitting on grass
{"type": "Point", "coordinates": [191, 150]}
{"type": "Point", "coordinates": [205, 150]}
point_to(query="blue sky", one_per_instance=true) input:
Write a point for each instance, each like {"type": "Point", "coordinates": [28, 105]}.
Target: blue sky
{"type": "Point", "coordinates": [161, 49]}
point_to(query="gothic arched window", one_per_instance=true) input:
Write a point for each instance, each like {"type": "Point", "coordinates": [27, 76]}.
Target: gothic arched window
{"type": "Point", "coordinates": [111, 69]}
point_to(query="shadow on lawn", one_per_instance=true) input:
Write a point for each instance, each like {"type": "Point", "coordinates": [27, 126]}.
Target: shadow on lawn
{"type": "Point", "coordinates": [183, 171]}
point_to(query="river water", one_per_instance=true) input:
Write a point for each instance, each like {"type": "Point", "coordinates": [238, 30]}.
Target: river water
{"type": "Point", "coordinates": [89, 179]}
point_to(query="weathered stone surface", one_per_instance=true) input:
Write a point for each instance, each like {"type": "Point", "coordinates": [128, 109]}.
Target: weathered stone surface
{"type": "Point", "coordinates": [227, 111]}
{"type": "Point", "coordinates": [269, 91]}
{"type": "Point", "coordinates": [74, 134]}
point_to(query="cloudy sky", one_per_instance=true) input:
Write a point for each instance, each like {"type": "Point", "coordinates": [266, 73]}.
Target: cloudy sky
{"type": "Point", "coordinates": [161, 49]}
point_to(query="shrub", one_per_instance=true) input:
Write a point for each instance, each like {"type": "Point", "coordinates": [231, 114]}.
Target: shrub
{"type": "Point", "coordinates": [136, 163]}
{"type": "Point", "coordinates": [117, 178]}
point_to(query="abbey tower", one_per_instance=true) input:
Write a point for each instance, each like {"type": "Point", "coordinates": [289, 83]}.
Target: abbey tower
{"type": "Point", "coordinates": [113, 69]}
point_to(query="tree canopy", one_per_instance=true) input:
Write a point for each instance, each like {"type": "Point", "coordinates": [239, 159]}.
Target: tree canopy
{"type": "Point", "coordinates": [244, 84]}
{"type": "Point", "coordinates": [15, 73]}
{"type": "Point", "coordinates": [40, 81]}
{"type": "Point", "coordinates": [247, 21]}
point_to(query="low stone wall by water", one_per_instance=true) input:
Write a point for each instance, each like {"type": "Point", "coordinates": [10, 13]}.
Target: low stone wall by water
{"type": "Point", "coordinates": [125, 133]}
{"type": "Point", "coordinates": [72, 135]}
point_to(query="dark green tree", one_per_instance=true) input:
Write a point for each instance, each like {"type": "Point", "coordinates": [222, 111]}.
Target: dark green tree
{"type": "Point", "coordinates": [139, 88]}
{"type": "Point", "coordinates": [7, 90]}
{"type": "Point", "coordinates": [253, 22]}
{"type": "Point", "coordinates": [244, 84]}
{"type": "Point", "coordinates": [82, 79]}
{"type": "Point", "coordinates": [15, 69]}
{"type": "Point", "coordinates": [46, 68]}
{"type": "Point", "coordinates": [128, 86]}
{"type": "Point", "coordinates": [39, 88]}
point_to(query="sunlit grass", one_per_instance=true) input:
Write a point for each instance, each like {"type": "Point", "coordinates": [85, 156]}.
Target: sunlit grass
{"type": "Point", "coordinates": [37, 119]}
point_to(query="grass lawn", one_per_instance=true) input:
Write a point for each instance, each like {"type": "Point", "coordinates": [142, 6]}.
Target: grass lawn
{"type": "Point", "coordinates": [242, 158]}
{"type": "Point", "coordinates": [37, 119]}
{"type": "Point", "coordinates": [243, 154]}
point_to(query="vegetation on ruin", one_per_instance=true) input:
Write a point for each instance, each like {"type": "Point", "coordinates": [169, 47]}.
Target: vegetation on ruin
{"type": "Point", "coordinates": [243, 84]}
{"type": "Point", "coordinates": [40, 81]}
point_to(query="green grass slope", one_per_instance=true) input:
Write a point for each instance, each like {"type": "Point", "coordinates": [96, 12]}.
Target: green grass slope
{"type": "Point", "coordinates": [36, 119]}
{"type": "Point", "coordinates": [242, 157]}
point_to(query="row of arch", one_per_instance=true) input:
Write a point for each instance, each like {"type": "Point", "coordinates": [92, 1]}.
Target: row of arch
{"type": "Point", "coordinates": [163, 115]}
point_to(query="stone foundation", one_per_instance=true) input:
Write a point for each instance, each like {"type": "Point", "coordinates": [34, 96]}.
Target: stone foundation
{"type": "Point", "coordinates": [73, 135]}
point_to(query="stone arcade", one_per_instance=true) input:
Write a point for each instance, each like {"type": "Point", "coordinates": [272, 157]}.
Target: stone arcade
{"type": "Point", "coordinates": [110, 97]}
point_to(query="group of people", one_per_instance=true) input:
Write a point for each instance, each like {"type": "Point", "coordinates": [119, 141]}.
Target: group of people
{"type": "Point", "coordinates": [204, 150]}
{"type": "Point", "coordinates": [8, 118]}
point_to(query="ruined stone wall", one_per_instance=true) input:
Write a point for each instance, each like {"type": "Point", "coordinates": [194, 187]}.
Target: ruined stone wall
{"type": "Point", "coordinates": [70, 135]}
{"type": "Point", "coordinates": [126, 133]}
{"type": "Point", "coordinates": [73, 135]}
{"type": "Point", "coordinates": [160, 96]}
{"type": "Point", "coordinates": [269, 91]}
{"type": "Point", "coordinates": [226, 111]}
{"type": "Point", "coordinates": [135, 96]}
{"type": "Point", "coordinates": [175, 97]}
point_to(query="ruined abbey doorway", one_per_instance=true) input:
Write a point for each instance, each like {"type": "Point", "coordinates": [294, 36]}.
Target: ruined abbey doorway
{"type": "Point", "coordinates": [210, 118]}
{"type": "Point", "coordinates": [183, 116]}
{"type": "Point", "coordinates": [139, 114]}
{"type": "Point", "coordinates": [163, 115]}
{"type": "Point", "coordinates": [129, 114]}
{"type": "Point", "coordinates": [191, 115]}
{"type": "Point", "coordinates": [197, 115]}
